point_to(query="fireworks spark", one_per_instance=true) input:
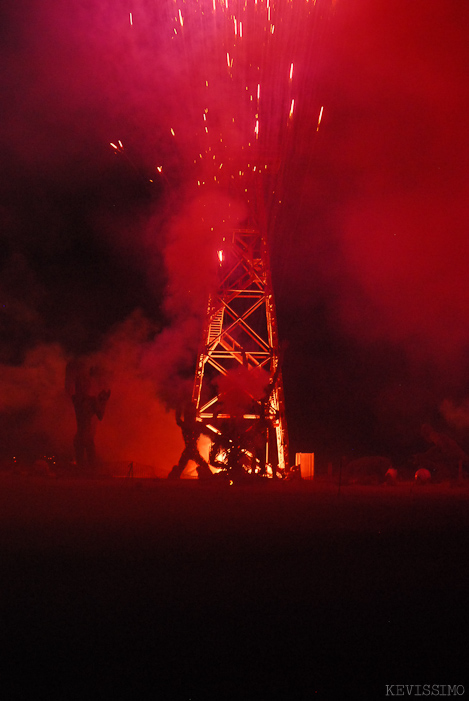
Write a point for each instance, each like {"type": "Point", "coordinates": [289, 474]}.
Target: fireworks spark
{"type": "Point", "coordinates": [320, 118]}
{"type": "Point", "coordinates": [231, 56]}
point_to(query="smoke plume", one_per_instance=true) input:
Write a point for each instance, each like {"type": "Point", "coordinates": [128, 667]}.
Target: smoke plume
{"type": "Point", "coordinates": [357, 114]}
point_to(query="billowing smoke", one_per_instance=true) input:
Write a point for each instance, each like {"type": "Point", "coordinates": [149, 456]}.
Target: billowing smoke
{"type": "Point", "coordinates": [34, 405]}
{"type": "Point", "coordinates": [383, 218]}
{"type": "Point", "coordinates": [367, 210]}
{"type": "Point", "coordinates": [81, 78]}
{"type": "Point", "coordinates": [38, 414]}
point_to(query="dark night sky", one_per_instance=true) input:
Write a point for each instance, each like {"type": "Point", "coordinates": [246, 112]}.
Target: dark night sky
{"type": "Point", "coordinates": [369, 246]}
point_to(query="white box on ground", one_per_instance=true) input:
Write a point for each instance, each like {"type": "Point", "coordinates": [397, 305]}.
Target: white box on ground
{"type": "Point", "coordinates": [306, 463]}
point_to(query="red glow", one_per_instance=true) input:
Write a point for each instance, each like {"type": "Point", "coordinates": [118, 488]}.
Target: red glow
{"type": "Point", "coordinates": [374, 217]}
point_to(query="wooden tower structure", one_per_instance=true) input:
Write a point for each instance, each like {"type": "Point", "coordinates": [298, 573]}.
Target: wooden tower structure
{"type": "Point", "coordinates": [238, 378]}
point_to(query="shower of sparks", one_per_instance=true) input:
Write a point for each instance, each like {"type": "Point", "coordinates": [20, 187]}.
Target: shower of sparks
{"type": "Point", "coordinates": [242, 66]}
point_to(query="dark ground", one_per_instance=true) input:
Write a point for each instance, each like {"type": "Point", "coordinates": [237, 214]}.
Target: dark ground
{"type": "Point", "coordinates": [147, 589]}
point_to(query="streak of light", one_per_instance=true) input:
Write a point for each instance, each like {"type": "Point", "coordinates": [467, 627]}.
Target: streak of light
{"type": "Point", "coordinates": [320, 117]}
{"type": "Point", "coordinates": [257, 59]}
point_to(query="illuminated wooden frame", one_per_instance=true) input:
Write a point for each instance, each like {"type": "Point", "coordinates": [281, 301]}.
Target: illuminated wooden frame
{"type": "Point", "coordinates": [241, 330]}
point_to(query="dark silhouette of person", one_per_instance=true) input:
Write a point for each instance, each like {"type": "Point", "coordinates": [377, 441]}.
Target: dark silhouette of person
{"type": "Point", "coordinates": [89, 409]}
{"type": "Point", "coordinates": [191, 431]}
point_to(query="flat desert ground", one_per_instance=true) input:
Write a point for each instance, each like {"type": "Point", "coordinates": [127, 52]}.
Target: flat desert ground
{"type": "Point", "coordinates": [147, 589]}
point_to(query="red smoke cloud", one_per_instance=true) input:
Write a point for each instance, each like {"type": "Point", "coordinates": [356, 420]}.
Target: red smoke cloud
{"type": "Point", "coordinates": [369, 245]}
{"type": "Point", "coordinates": [404, 145]}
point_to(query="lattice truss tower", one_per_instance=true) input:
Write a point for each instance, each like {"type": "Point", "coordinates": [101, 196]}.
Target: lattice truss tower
{"type": "Point", "coordinates": [238, 375]}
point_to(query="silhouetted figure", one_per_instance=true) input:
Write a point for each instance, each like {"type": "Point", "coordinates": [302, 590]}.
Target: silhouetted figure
{"type": "Point", "coordinates": [191, 430]}
{"type": "Point", "coordinates": [89, 409]}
